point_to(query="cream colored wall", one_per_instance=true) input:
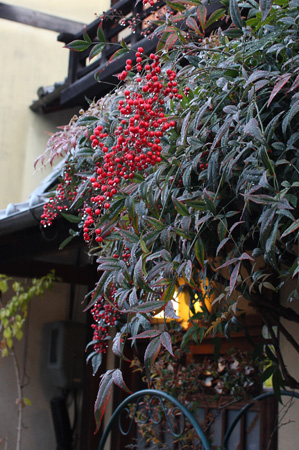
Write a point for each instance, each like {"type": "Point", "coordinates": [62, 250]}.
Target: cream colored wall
{"type": "Point", "coordinates": [288, 430]}
{"type": "Point", "coordinates": [30, 58]}
{"type": "Point", "coordinates": [38, 430]}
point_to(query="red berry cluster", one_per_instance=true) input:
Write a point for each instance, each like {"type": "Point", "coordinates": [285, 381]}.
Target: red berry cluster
{"type": "Point", "coordinates": [138, 137]}
{"type": "Point", "coordinates": [65, 195]}
{"type": "Point", "coordinates": [137, 141]}
{"type": "Point", "coordinates": [105, 315]}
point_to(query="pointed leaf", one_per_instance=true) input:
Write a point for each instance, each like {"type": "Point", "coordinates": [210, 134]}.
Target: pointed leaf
{"type": "Point", "coordinates": [151, 353]}
{"type": "Point", "coordinates": [278, 86]}
{"type": "Point", "coordinates": [199, 250]}
{"type": "Point", "coordinates": [71, 218]}
{"type": "Point", "coordinates": [103, 397]}
{"type": "Point", "coordinates": [148, 334]}
{"type": "Point", "coordinates": [201, 12]}
{"type": "Point", "coordinates": [139, 276]}
{"type": "Point", "coordinates": [78, 45]}
{"type": "Point", "coordinates": [100, 33]}
{"type": "Point", "coordinates": [146, 307]}
{"type": "Point", "coordinates": [291, 228]}
{"type": "Point", "coordinates": [235, 14]}
{"type": "Point", "coordinates": [96, 362]}
{"type": "Point", "coordinates": [265, 7]}
{"type": "Point", "coordinates": [96, 50]}
{"type": "Point", "coordinates": [233, 278]}
{"type": "Point", "coordinates": [119, 381]}
{"type": "Point", "coordinates": [166, 342]}
{"type": "Point", "coordinates": [289, 116]}
{"type": "Point", "coordinates": [180, 207]}
{"type": "Point", "coordinates": [191, 23]}
{"type": "Point", "coordinates": [252, 128]}
{"type": "Point", "coordinates": [118, 346]}
{"type": "Point", "coordinates": [216, 15]}
{"type": "Point", "coordinates": [222, 244]}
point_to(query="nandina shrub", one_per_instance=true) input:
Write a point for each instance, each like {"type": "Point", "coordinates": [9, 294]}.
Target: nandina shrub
{"type": "Point", "coordinates": [187, 175]}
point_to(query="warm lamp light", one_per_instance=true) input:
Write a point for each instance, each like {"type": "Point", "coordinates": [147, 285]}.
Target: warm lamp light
{"type": "Point", "coordinates": [181, 303]}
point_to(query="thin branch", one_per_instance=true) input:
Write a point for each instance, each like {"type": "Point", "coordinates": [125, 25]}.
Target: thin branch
{"type": "Point", "coordinates": [19, 400]}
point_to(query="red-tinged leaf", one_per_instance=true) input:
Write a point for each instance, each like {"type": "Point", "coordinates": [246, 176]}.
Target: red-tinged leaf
{"type": "Point", "coordinates": [168, 293]}
{"type": "Point", "coordinates": [100, 33]}
{"type": "Point", "coordinates": [180, 207]}
{"type": "Point", "coordinates": [169, 311]}
{"type": "Point", "coordinates": [208, 198]}
{"type": "Point", "coordinates": [86, 37]}
{"type": "Point", "coordinates": [148, 334]}
{"type": "Point", "coordinates": [166, 342]}
{"type": "Point", "coordinates": [222, 244]}
{"type": "Point", "coordinates": [294, 85]}
{"type": "Point", "coordinates": [278, 86]}
{"type": "Point", "coordinates": [78, 45]}
{"type": "Point", "coordinates": [291, 228]}
{"type": "Point", "coordinates": [139, 276]}
{"type": "Point", "coordinates": [151, 353]}
{"type": "Point", "coordinates": [235, 225]}
{"type": "Point", "coordinates": [171, 40]}
{"type": "Point", "coordinates": [119, 381]}
{"type": "Point", "coordinates": [233, 278]}
{"type": "Point", "coordinates": [118, 54]}
{"type": "Point", "coordinates": [177, 6]}
{"type": "Point", "coordinates": [201, 12]}
{"type": "Point", "coordinates": [216, 15]}
{"type": "Point", "coordinates": [235, 14]}
{"type": "Point", "coordinates": [256, 75]}
{"type": "Point", "coordinates": [191, 23]}
{"type": "Point", "coordinates": [104, 393]}
{"type": "Point", "coordinates": [265, 7]}
{"type": "Point", "coordinates": [252, 128]}
{"type": "Point", "coordinates": [118, 346]}
{"type": "Point", "coordinates": [146, 307]}
{"type": "Point", "coordinates": [245, 256]}
{"type": "Point", "coordinates": [228, 263]}
{"type": "Point", "coordinates": [96, 50]}
{"type": "Point", "coordinates": [96, 362]}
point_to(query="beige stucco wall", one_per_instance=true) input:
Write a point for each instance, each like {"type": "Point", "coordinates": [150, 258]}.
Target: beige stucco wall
{"type": "Point", "coordinates": [38, 430]}
{"type": "Point", "coordinates": [288, 430]}
{"type": "Point", "coordinates": [30, 58]}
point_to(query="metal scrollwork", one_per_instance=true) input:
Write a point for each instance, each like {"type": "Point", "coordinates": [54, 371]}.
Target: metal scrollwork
{"type": "Point", "coordinates": [150, 406]}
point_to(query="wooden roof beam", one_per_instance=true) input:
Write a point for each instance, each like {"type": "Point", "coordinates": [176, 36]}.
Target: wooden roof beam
{"type": "Point", "coordinates": [38, 19]}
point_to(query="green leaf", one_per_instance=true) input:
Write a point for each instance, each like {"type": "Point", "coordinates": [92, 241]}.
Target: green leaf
{"type": "Point", "coordinates": [78, 45]}
{"type": "Point", "coordinates": [119, 381]}
{"type": "Point", "coordinates": [100, 33]}
{"type": "Point", "coordinates": [166, 342]}
{"type": "Point", "coordinates": [139, 276]}
{"type": "Point", "coordinates": [96, 50]}
{"type": "Point", "coordinates": [201, 12]}
{"type": "Point", "coordinates": [265, 7]}
{"type": "Point", "coordinates": [86, 37]}
{"type": "Point", "coordinates": [199, 250]}
{"type": "Point", "coordinates": [118, 54]}
{"type": "Point", "coordinates": [148, 334]}
{"type": "Point", "coordinates": [209, 201]}
{"type": "Point", "coordinates": [27, 401]}
{"type": "Point", "coordinates": [157, 224]}
{"type": "Point", "coordinates": [216, 15]}
{"type": "Point", "coordinates": [96, 362]}
{"type": "Point", "coordinates": [103, 397]}
{"type": "Point", "coordinates": [71, 218]}
{"type": "Point", "coordinates": [151, 353]}
{"type": "Point", "coordinates": [87, 120]}
{"type": "Point", "coordinates": [180, 207]}
{"type": "Point", "coordinates": [289, 116]}
{"type": "Point", "coordinates": [293, 227]}
{"type": "Point", "coordinates": [235, 14]}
